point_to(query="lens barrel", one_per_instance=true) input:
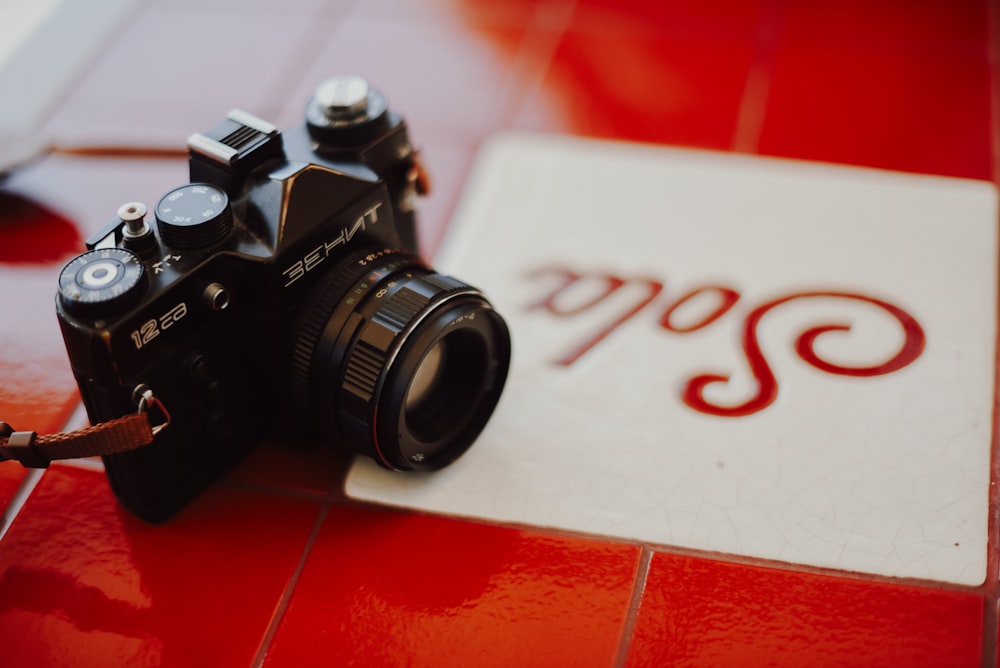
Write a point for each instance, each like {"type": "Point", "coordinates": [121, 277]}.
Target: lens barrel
{"type": "Point", "coordinates": [403, 364]}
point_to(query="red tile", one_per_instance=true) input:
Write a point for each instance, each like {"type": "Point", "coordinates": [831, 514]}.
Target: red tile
{"type": "Point", "coordinates": [911, 112]}
{"type": "Point", "coordinates": [11, 476]}
{"type": "Point", "coordinates": [384, 588]}
{"type": "Point", "coordinates": [38, 392]}
{"type": "Point", "coordinates": [733, 19]}
{"type": "Point", "coordinates": [941, 27]}
{"type": "Point", "coordinates": [643, 87]}
{"type": "Point", "coordinates": [698, 612]}
{"type": "Point", "coordinates": [32, 235]}
{"type": "Point", "coordinates": [84, 583]}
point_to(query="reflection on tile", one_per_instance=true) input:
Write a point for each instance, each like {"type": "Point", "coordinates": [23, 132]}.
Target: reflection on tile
{"type": "Point", "coordinates": [82, 581]}
{"type": "Point", "coordinates": [644, 88]}
{"type": "Point", "coordinates": [699, 612]}
{"type": "Point", "coordinates": [381, 588]}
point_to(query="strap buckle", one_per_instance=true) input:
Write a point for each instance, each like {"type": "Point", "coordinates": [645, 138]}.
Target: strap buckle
{"type": "Point", "coordinates": [21, 446]}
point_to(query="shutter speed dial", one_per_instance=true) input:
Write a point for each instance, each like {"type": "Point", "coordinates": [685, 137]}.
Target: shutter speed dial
{"type": "Point", "coordinates": [101, 282]}
{"type": "Point", "coordinates": [194, 216]}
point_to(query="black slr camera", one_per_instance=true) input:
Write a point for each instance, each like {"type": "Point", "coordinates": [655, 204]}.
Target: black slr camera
{"type": "Point", "coordinates": [281, 295]}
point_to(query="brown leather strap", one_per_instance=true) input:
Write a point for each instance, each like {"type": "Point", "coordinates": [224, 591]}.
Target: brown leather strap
{"type": "Point", "coordinates": [107, 438]}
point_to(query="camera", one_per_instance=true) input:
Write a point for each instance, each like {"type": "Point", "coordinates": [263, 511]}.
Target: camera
{"type": "Point", "coordinates": [280, 294]}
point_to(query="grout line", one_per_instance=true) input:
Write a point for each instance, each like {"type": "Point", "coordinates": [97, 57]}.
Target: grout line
{"type": "Point", "coordinates": [286, 596]}
{"type": "Point", "coordinates": [991, 617]}
{"type": "Point", "coordinates": [991, 588]}
{"type": "Point", "coordinates": [20, 497]}
{"type": "Point", "coordinates": [632, 617]}
{"type": "Point", "coordinates": [991, 593]}
{"type": "Point", "coordinates": [77, 418]}
{"type": "Point", "coordinates": [750, 117]}
{"type": "Point", "coordinates": [543, 34]}
{"type": "Point", "coordinates": [711, 555]}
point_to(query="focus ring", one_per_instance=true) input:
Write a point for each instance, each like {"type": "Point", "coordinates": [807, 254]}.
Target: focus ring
{"type": "Point", "coordinates": [341, 284]}
{"type": "Point", "coordinates": [322, 303]}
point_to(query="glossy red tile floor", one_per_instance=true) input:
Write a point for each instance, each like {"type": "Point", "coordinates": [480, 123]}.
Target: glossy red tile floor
{"type": "Point", "coordinates": [274, 566]}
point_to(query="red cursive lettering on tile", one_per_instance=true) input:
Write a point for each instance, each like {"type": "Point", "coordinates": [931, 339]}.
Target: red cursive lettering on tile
{"type": "Point", "coordinates": [722, 299]}
{"type": "Point", "coordinates": [612, 285]}
{"type": "Point", "coordinates": [727, 299]}
{"type": "Point", "coordinates": [767, 383]}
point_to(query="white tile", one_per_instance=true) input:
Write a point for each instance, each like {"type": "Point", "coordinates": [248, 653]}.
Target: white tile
{"type": "Point", "coordinates": [887, 474]}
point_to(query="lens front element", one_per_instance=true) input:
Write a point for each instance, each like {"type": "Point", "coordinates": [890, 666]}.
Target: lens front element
{"type": "Point", "coordinates": [403, 364]}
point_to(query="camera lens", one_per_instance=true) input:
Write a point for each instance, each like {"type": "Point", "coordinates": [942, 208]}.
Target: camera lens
{"type": "Point", "coordinates": [401, 363]}
{"type": "Point", "coordinates": [438, 392]}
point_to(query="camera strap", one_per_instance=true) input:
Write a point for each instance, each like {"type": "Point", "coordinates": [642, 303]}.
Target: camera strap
{"type": "Point", "coordinates": [106, 438]}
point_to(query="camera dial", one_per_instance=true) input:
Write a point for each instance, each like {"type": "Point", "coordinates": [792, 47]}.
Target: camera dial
{"type": "Point", "coordinates": [101, 282]}
{"type": "Point", "coordinates": [194, 216]}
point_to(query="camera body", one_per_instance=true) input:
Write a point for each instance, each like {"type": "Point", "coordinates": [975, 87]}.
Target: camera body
{"type": "Point", "coordinates": [280, 295]}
